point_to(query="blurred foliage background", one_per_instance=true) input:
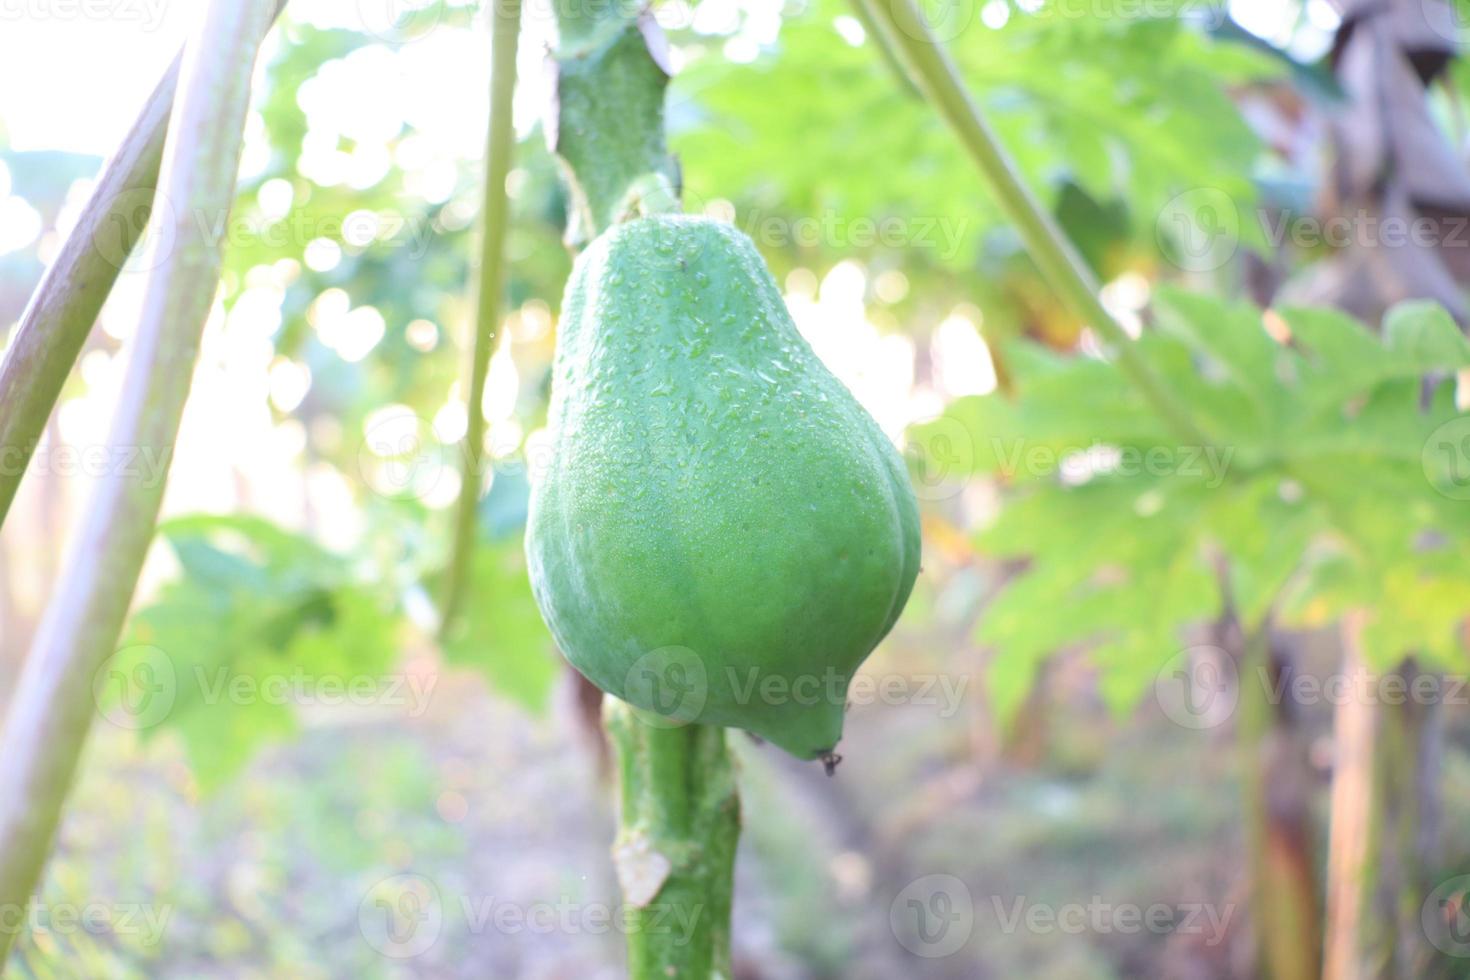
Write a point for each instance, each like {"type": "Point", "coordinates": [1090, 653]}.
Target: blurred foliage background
{"type": "Point", "coordinates": [289, 751]}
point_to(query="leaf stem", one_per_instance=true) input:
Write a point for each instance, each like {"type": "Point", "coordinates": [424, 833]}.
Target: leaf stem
{"type": "Point", "coordinates": [60, 314]}
{"type": "Point", "coordinates": [61, 311]}
{"type": "Point", "coordinates": [1058, 261]}
{"type": "Point", "coordinates": [53, 708]}
{"type": "Point", "coordinates": [494, 222]}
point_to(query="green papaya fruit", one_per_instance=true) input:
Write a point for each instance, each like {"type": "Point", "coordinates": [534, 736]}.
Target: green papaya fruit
{"type": "Point", "coordinates": [721, 534]}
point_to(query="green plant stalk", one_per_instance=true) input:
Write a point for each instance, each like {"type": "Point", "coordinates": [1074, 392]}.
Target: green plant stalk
{"type": "Point", "coordinates": [66, 302]}
{"type": "Point", "coordinates": [494, 222]}
{"type": "Point", "coordinates": [54, 706]}
{"type": "Point", "coordinates": [608, 118]}
{"type": "Point", "coordinates": [679, 811]}
{"type": "Point", "coordinates": [1063, 268]}
{"type": "Point", "coordinates": [675, 851]}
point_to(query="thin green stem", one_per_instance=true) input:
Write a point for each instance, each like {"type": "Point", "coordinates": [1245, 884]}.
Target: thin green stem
{"type": "Point", "coordinates": [679, 825]}
{"type": "Point", "coordinates": [494, 221]}
{"type": "Point", "coordinates": [1053, 254]}
{"type": "Point", "coordinates": [53, 709]}
{"type": "Point", "coordinates": [64, 306]}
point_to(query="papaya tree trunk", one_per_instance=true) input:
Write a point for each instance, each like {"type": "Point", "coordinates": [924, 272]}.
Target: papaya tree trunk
{"type": "Point", "coordinates": [1424, 841]}
{"type": "Point", "coordinates": [679, 812]}
{"type": "Point", "coordinates": [1355, 945]}
{"type": "Point", "coordinates": [1407, 780]}
{"type": "Point", "coordinates": [675, 852]}
{"type": "Point", "coordinates": [1385, 819]}
{"type": "Point", "coordinates": [1276, 789]}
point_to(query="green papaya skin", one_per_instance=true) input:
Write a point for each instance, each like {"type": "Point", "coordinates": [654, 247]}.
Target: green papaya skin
{"type": "Point", "coordinates": [721, 534]}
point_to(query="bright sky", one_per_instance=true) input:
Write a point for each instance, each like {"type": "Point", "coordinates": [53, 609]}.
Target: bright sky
{"type": "Point", "coordinates": [70, 80]}
{"type": "Point", "coordinates": [73, 73]}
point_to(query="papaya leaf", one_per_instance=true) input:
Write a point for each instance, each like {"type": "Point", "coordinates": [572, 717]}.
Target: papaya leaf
{"type": "Point", "coordinates": [1265, 529]}
{"type": "Point", "coordinates": [1103, 556]}
{"type": "Point", "coordinates": [260, 623]}
{"type": "Point", "coordinates": [1127, 108]}
{"type": "Point", "coordinates": [1424, 336]}
{"type": "Point", "coordinates": [1232, 339]}
{"type": "Point", "coordinates": [1339, 484]}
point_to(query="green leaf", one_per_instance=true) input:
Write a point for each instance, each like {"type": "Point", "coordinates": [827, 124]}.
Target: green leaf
{"type": "Point", "coordinates": [260, 623]}
{"type": "Point", "coordinates": [1424, 336]}
{"type": "Point", "coordinates": [1264, 529]}
{"type": "Point", "coordinates": [1062, 407]}
{"type": "Point", "coordinates": [1126, 108]}
{"type": "Point", "coordinates": [1233, 339]}
{"type": "Point", "coordinates": [1342, 490]}
{"type": "Point", "coordinates": [1115, 561]}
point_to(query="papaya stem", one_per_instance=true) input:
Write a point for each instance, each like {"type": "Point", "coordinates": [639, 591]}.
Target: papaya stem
{"type": "Point", "coordinates": [494, 219]}
{"type": "Point", "coordinates": [608, 120]}
{"type": "Point", "coordinates": [1054, 255]}
{"type": "Point", "coordinates": [59, 316]}
{"type": "Point", "coordinates": [649, 195]}
{"type": "Point", "coordinates": [53, 707]}
{"type": "Point", "coordinates": [679, 823]}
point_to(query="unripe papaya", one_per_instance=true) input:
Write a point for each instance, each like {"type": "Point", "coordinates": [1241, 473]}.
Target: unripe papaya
{"type": "Point", "coordinates": [721, 534]}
